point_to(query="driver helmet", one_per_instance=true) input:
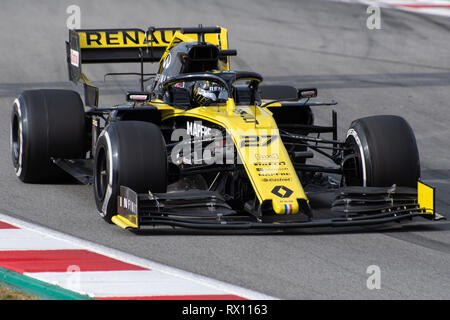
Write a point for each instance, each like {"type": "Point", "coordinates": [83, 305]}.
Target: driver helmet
{"type": "Point", "coordinates": [206, 93]}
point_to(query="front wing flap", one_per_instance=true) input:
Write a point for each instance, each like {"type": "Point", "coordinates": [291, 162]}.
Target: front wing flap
{"type": "Point", "coordinates": [353, 206]}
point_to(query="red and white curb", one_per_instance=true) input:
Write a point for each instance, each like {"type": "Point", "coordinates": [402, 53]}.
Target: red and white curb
{"type": "Point", "coordinates": [436, 7]}
{"type": "Point", "coordinates": [100, 272]}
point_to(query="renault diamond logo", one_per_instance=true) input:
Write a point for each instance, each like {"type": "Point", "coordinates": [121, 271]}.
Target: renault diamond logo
{"type": "Point", "coordinates": [282, 192]}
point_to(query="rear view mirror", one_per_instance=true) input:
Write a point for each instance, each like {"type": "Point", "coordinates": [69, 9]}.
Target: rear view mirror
{"type": "Point", "coordinates": [138, 96]}
{"type": "Point", "coordinates": [307, 93]}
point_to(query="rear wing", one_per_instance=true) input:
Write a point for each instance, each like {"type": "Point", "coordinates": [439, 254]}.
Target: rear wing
{"type": "Point", "coordinates": [87, 46]}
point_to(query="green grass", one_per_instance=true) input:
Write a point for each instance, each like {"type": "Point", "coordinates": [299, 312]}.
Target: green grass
{"type": "Point", "coordinates": [9, 294]}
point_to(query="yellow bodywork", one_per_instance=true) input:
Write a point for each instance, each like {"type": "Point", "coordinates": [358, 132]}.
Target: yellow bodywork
{"type": "Point", "coordinates": [125, 222]}
{"type": "Point", "coordinates": [111, 39]}
{"type": "Point", "coordinates": [425, 197]}
{"type": "Point", "coordinates": [259, 148]}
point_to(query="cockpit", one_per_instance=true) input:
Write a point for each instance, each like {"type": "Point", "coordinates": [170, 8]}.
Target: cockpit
{"type": "Point", "coordinates": [211, 88]}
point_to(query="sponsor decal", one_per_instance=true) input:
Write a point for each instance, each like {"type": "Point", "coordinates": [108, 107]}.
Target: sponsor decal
{"type": "Point", "coordinates": [276, 179]}
{"type": "Point", "coordinates": [129, 38]}
{"type": "Point", "coordinates": [247, 117]}
{"type": "Point", "coordinates": [262, 157]}
{"type": "Point", "coordinates": [275, 168]}
{"type": "Point", "coordinates": [270, 174]}
{"type": "Point", "coordinates": [197, 130]}
{"type": "Point", "coordinates": [257, 141]}
{"type": "Point", "coordinates": [282, 191]}
{"type": "Point", "coordinates": [128, 204]}
{"type": "Point", "coordinates": [74, 58]}
{"type": "Point", "coordinates": [273, 163]}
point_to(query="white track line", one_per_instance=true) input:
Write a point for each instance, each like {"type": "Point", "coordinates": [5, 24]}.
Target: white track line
{"type": "Point", "coordinates": [73, 242]}
{"type": "Point", "coordinates": [126, 283]}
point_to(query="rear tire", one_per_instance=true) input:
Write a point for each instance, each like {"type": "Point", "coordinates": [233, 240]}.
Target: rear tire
{"type": "Point", "coordinates": [382, 151]}
{"type": "Point", "coordinates": [46, 124]}
{"type": "Point", "coordinates": [131, 154]}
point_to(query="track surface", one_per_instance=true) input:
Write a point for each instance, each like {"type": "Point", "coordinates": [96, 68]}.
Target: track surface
{"type": "Point", "coordinates": [402, 69]}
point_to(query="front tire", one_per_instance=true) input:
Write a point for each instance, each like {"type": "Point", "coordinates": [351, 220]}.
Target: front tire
{"type": "Point", "coordinates": [381, 151]}
{"type": "Point", "coordinates": [131, 154]}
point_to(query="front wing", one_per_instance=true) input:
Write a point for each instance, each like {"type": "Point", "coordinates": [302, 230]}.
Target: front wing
{"type": "Point", "coordinates": [353, 206]}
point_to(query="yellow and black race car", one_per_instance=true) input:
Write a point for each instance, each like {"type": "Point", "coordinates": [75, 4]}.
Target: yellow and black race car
{"type": "Point", "coordinates": [205, 146]}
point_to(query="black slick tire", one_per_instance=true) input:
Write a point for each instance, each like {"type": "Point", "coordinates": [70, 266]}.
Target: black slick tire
{"type": "Point", "coordinates": [382, 152]}
{"type": "Point", "coordinates": [131, 154]}
{"type": "Point", "coordinates": [46, 124]}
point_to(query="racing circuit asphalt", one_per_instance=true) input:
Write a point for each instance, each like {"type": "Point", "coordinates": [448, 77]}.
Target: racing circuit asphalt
{"type": "Point", "coordinates": [402, 69]}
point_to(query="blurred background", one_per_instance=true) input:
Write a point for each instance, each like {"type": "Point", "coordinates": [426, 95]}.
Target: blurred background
{"type": "Point", "coordinates": [402, 68]}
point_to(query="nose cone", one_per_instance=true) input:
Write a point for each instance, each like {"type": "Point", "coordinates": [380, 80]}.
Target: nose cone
{"type": "Point", "coordinates": [285, 206]}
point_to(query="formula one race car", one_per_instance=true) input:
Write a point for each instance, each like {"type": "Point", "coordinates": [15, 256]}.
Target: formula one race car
{"type": "Point", "coordinates": [208, 147]}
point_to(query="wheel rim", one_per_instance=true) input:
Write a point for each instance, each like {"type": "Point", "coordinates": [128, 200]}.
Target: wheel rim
{"type": "Point", "coordinates": [101, 174]}
{"type": "Point", "coordinates": [351, 163]}
{"type": "Point", "coordinates": [16, 138]}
